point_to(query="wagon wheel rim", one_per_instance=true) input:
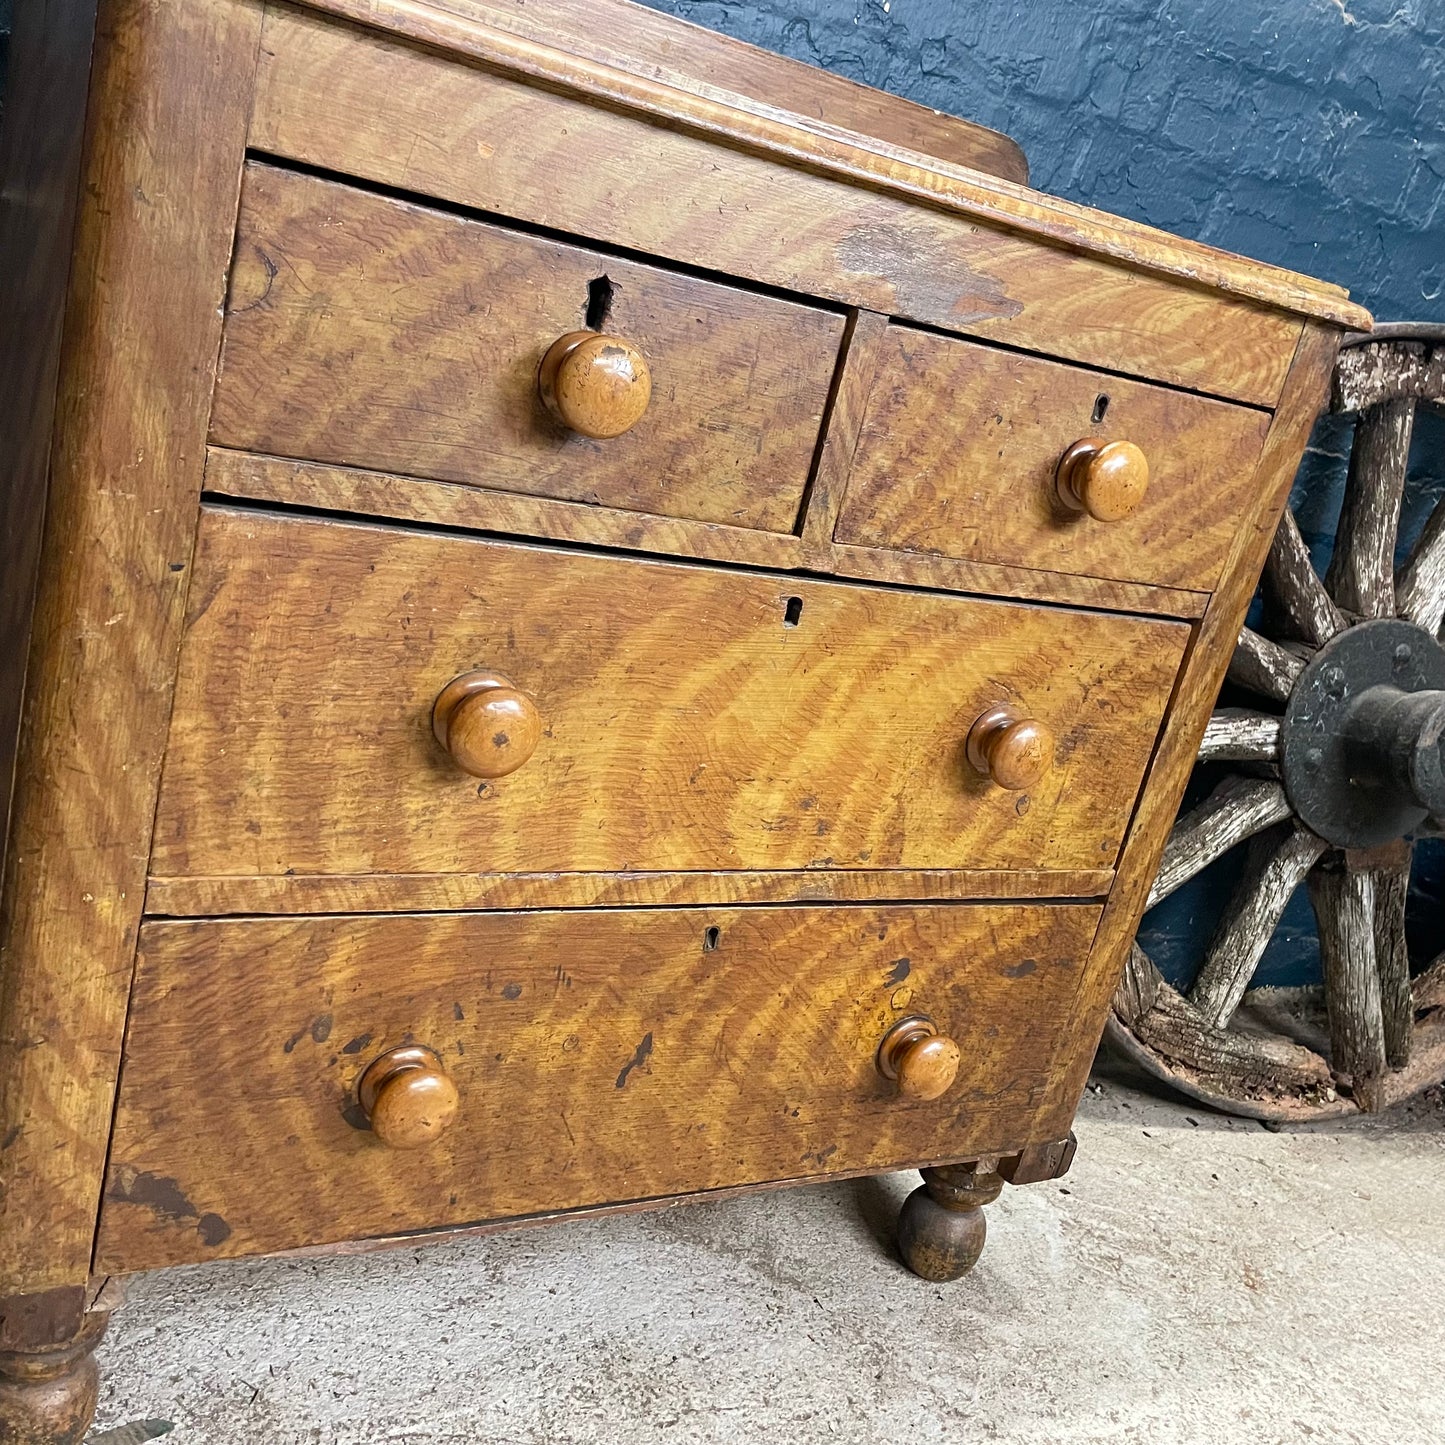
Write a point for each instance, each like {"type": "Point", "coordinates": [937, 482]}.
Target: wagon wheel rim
{"type": "Point", "coordinates": [1288, 802]}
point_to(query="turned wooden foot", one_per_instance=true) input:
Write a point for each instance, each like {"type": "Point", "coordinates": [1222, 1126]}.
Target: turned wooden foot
{"type": "Point", "coordinates": [941, 1229]}
{"type": "Point", "coordinates": [48, 1376]}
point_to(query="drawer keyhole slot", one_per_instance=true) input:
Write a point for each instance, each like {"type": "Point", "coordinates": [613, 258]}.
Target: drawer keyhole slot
{"type": "Point", "coordinates": [599, 303]}
{"type": "Point", "coordinates": [792, 612]}
{"type": "Point", "coordinates": [1101, 407]}
{"type": "Point", "coordinates": [710, 939]}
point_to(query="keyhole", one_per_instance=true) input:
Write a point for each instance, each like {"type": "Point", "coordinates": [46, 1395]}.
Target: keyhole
{"type": "Point", "coordinates": [793, 612]}
{"type": "Point", "coordinates": [1101, 407]}
{"type": "Point", "coordinates": [710, 939]}
{"type": "Point", "coordinates": [599, 303]}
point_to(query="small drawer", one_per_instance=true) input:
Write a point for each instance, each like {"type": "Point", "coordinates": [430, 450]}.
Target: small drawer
{"type": "Point", "coordinates": [365, 700]}
{"type": "Point", "coordinates": [561, 1060]}
{"type": "Point", "coordinates": [373, 332]}
{"type": "Point", "coordinates": [960, 453]}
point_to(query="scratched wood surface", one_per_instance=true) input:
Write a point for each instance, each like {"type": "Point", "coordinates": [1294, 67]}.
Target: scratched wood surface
{"type": "Point", "coordinates": [437, 892]}
{"type": "Point", "coordinates": [693, 718]}
{"type": "Point", "coordinates": [356, 102]}
{"type": "Point", "coordinates": [362, 329]}
{"type": "Point", "coordinates": [960, 446]}
{"type": "Point", "coordinates": [600, 1057]}
{"type": "Point", "coordinates": [154, 230]}
{"type": "Point", "coordinates": [364, 492]}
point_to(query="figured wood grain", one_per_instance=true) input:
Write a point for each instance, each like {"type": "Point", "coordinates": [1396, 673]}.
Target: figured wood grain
{"type": "Point", "coordinates": [872, 161]}
{"type": "Point", "coordinates": [688, 721]}
{"type": "Point", "coordinates": [370, 106]}
{"type": "Point", "coordinates": [1189, 711]}
{"type": "Point", "coordinates": [445, 892]}
{"type": "Point", "coordinates": [635, 38]}
{"type": "Point", "coordinates": [599, 1057]}
{"type": "Point", "coordinates": [362, 329]}
{"type": "Point", "coordinates": [153, 235]}
{"type": "Point", "coordinates": [408, 499]}
{"type": "Point", "coordinates": [862, 349]}
{"type": "Point", "coordinates": [961, 443]}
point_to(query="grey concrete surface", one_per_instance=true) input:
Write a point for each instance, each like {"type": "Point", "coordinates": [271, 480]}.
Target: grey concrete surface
{"type": "Point", "coordinates": [1195, 1279]}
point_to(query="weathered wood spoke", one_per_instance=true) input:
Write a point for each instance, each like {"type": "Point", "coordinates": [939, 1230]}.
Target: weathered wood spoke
{"type": "Point", "coordinates": [1397, 1004]}
{"type": "Point", "coordinates": [1291, 578]}
{"type": "Point", "coordinates": [1237, 809]}
{"type": "Point", "coordinates": [1420, 583]}
{"type": "Point", "coordinates": [1344, 904]}
{"type": "Point", "coordinates": [1362, 571]}
{"type": "Point", "coordinates": [1276, 866]}
{"type": "Point", "coordinates": [1264, 667]}
{"type": "Point", "coordinates": [1235, 734]}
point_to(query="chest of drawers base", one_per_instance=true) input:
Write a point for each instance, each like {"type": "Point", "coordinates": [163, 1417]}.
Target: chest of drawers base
{"type": "Point", "coordinates": [592, 641]}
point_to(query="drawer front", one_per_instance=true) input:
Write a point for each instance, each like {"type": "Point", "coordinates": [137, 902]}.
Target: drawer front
{"type": "Point", "coordinates": [961, 443]}
{"type": "Point", "coordinates": [599, 1057]}
{"type": "Point", "coordinates": [686, 717]}
{"type": "Point", "coordinates": [372, 332]}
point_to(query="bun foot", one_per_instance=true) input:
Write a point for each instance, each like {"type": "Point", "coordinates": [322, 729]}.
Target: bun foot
{"type": "Point", "coordinates": [49, 1387]}
{"type": "Point", "coordinates": [941, 1228]}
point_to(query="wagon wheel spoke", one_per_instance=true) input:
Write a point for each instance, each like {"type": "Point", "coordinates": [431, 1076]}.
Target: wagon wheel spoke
{"type": "Point", "coordinates": [1276, 865]}
{"type": "Point", "coordinates": [1362, 571]}
{"type": "Point", "coordinates": [1397, 1005]}
{"type": "Point", "coordinates": [1264, 667]}
{"type": "Point", "coordinates": [1344, 904]}
{"type": "Point", "coordinates": [1296, 587]}
{"type": "Point", "coordinates": [1236, 734]}
{"type": "Point", "coordinates": [1237, 809]}
{"type": "Point", "coordinates": [1420, 583]}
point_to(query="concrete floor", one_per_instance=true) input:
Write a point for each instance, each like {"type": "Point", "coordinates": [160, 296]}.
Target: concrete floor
{"type": "Point", "coordinates": [1195, 1279]}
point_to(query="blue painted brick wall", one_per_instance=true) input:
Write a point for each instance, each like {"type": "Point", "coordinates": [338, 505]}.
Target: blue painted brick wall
{"type": "Point", "coordinates": [1308, 133]}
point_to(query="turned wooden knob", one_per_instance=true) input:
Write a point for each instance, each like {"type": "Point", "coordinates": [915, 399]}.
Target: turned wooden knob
{"type": "Point", "coordinates": [922, 1061]}
{"type": "Point", "coordinates": [596, 385]}
{"type": "Point", "coordinates": [1012, 750]}
{"type": "Point", "coordinates": [408, 1097]}
{"type": "Point", "coordinates": [488, 725]}
{"type": "Point", "coordinates": [1105, 479]}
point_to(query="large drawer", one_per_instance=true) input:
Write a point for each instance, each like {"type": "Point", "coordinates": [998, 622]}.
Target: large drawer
{"type": "Point", "coordinates": [691, 717]}
{"type": "Point", "coordinates": [375, 332]}
{"type": "Point", "coordinates": [599, 1057]}
{"type": "Point", "coordinates": [961, 444]}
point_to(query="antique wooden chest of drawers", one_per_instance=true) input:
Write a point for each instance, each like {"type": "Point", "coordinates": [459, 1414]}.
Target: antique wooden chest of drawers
{"type": "Point", "coordinates": [592, 616]}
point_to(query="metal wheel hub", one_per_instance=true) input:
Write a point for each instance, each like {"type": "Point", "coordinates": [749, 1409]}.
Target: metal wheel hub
{"type": "Point", "coordinates": [1363, 746]}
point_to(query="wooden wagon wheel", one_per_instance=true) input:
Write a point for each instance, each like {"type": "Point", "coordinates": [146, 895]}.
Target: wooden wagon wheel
{"type": "Point", "coordinates": [1333, 775]}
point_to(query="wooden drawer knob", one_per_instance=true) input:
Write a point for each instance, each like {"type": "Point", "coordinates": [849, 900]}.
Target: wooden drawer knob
{"type": "Point", "coordinates": [488, 725]}
{"type": "Point", "coordinates": [596, 385]}
{"type": "Point", "coordinates": [408, 1097]}
{"type": "Point", "coordinates": [1105, 479]}
{"type": "Point", "coordinates": [1012, 750]}
{"type": "Point", "coordinates": [923, 1061]}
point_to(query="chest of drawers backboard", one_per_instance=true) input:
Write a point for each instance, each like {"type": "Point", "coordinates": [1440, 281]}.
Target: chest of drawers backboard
{"type": "Point", "coordinates": [600, 617]}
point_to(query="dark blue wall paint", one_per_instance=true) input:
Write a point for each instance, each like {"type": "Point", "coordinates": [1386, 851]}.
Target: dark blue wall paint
{"type": "Point", "coordinates": [1308, 133]}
